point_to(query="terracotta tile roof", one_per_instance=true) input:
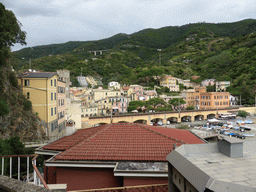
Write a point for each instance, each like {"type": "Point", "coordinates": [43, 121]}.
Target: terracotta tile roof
{"type": "Point", "coordinates": [177, 134]}
{"type": "Point", "coordinates": [126, 88]}
{"type": "Point", "coordinates": [122, 142]}
{"type": "Point", "coordinates": [69, 141]}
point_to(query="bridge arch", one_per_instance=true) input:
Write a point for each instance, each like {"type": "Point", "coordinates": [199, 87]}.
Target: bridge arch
{"type": "Point", "coordinates": [199, 117]}
{"type": "Point", "coordinates": [123, 122]}
{"type": "Point", "coordinates": [141, 121]}
{"type": "Point", "coordinates": [186, 118]}
{"type": "Point", "coordinates": [211, 116]}
{"type": "Point", "coordinates": [156, 120]}
{"type": "Point", "coordinates": [172, 119]}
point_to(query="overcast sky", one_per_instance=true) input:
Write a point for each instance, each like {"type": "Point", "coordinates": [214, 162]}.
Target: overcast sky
{"type": "Point", "coordinates": [60, 21]}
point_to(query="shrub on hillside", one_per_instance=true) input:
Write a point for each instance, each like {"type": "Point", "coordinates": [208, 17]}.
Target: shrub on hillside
{"type": "Point", "coordinates": [4, 109]}
{"type": "Point", "coordinates": [27, 105]}
{"type": "Point", "coordinates": [13, 80]}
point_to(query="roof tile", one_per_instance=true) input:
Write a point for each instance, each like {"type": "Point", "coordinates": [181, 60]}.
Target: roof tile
{"type": "Point", "coordinates": [122, 141]}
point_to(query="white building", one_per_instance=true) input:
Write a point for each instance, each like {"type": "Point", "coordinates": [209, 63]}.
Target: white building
{"type": "Point", "coordinates": [113, 85]}
{"type": "Point", "coordinates": [233, 100]}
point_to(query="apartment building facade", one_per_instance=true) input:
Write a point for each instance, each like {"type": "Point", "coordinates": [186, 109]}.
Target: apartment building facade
{"type": "Point", "coordinates": [214, 100]}
{"type": "Point", "coordinates": [170, 82]}
{"type": "Point", "coordinates": [62, 106]}
{"type": "Point", "coordinates": [41, 89]}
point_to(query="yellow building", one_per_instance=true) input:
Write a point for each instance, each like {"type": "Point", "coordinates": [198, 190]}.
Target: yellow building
{"type": "Point", "coordinates": [99, 94]}
{"type": "Point", "coordinates": [41, 89]}
{"type": "Point", "coordinates": [170, 82]}
{"type": "Point", "coordinates": [189, 94]}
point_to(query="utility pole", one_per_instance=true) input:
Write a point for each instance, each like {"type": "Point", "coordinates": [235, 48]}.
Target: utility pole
{"type": "Point", "coordinates": [179, 107]}
{"type": "Point", "coordinates": [29, 63]}
{"type": "Point", "coordinates": [111, 114]}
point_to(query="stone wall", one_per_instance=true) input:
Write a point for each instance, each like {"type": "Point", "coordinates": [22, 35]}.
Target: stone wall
{"type": "Point", "coordinates": [12, 185]}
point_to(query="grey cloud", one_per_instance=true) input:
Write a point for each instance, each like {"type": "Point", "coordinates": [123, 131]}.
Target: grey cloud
{"type": "Point", "coordinates": [27, 12]}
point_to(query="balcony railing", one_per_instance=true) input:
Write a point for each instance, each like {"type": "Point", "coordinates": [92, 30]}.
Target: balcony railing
{"type": "Point", "coordinates": [37, 177]}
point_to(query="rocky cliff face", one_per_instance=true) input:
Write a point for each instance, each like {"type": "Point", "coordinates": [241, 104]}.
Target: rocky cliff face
{"type": "Point", "coordinates": [16, 115]}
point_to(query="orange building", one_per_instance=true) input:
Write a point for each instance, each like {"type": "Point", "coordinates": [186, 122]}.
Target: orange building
{"type": "Point", "coordinates": [197, 96]}
{"type": "Point", "coordinates": [214, 100]}
{"type": "Point", "coordinates": [207, 100]}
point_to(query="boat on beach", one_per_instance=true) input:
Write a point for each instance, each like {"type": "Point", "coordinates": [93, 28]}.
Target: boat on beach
{"type": "Point", "coordinates": [245, 128]}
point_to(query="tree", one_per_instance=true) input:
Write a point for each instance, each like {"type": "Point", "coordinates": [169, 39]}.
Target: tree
{"type": "Point", "coordinates": [4, 109]}
{"type": "Point", "coordinates": [27, 105]}
{"type": "Point", "coordinates": [134, 105]}
{"type": "Point", "coordinates": [177, 101]}
{"type": "Point", "coordinates": [10, 33]}
{"type": "Point", "coordinates": [190, 108]}
{"type": "Point", "coordinates": [211, 88]}
{"type": "Point", "coordinates": [242, 114]}
{"type": "Point", "coordinates": [154, 102]}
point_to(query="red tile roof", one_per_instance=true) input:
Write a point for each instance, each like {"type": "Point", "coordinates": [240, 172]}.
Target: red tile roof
{"type": "Point", "coordinates": [122, 142]}
{"type": "Point", "coordinates": [69, 141]}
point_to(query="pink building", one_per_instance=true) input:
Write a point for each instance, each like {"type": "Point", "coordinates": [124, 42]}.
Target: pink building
{"type": "Point", "coordinates": [119, 104]}
{"type": "Point", "coordinates": [150, 94]}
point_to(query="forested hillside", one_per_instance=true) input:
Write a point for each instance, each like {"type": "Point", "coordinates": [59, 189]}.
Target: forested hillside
{"type": "Point", "coordinates": [224, 51]}
{"type": "Point", "coordinates": [16, 115]}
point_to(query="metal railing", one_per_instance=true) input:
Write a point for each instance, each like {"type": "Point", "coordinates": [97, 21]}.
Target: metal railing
{"type": "Point", "coordinates": [37, 177]}
{"type": "Point", "coordinates": [141, 188]}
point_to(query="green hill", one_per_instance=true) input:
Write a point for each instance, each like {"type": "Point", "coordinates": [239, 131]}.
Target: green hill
{"type": "Point", "coordinates": [224, 51]}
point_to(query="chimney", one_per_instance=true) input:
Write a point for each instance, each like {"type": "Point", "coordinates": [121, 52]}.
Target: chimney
{"type": "Point", "coordinates": [231, 147]}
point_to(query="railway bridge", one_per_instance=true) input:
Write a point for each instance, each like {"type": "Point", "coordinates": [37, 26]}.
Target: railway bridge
{"type": "Point", "coordinates": [148, 118]}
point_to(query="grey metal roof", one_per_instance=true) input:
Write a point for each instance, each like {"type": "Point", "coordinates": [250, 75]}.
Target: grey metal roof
{"type": "Point", "coordinates": [37, 75]}
{"type": "Point", "coordinates": [209, 165]}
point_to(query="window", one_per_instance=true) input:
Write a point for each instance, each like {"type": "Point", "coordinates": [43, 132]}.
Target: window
{"type": "Point", "coordinates": [28, 95]}
{"type": "Point", "coordinates": [55, 82]}
{"type": "Point", "coordinates": [55, 97]}
{"type": "Point", "coordinates": [51, 96]}
{"type": "Point", "coordinates": [52, 127]}
{"type": "Point", "coordinates": [26, 82]}
{"type": "Point", "coordinates": [55, 110]}
{"type": "Point", "coordinates": [51, 111]}
{"type": "Point", "coordinates": [51, 82]}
